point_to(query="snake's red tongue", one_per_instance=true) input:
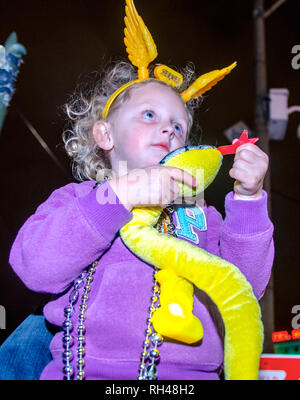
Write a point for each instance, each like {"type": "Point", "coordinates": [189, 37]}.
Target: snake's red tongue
{"type": "Point", "coordinates": [231, 149]}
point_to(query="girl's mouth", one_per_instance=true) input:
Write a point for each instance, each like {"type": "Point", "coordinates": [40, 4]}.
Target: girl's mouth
{"type": "Point", "coordinates": [162, 146]}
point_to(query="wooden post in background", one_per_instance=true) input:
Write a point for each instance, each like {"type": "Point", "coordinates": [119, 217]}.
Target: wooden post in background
{"type": "Point", "coordinates": [261, 131]}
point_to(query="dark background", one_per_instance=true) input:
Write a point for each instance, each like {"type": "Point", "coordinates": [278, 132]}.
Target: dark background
{"type": "Point", "coordinates": [66, 40]}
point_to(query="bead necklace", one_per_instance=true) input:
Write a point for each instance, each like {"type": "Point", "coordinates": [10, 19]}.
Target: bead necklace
{"type": "Point", "coordinates": [149, 356]}
{"type": "Point", "coordinates": [67, 339]}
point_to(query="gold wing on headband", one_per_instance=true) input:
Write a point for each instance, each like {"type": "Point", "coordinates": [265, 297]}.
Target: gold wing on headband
{"type": "Point", "coordinates": [206, 82]}
{"type": "Point", "coordinates": [142, 50]}
{"type": "Point", "coordinates": [139, 44]}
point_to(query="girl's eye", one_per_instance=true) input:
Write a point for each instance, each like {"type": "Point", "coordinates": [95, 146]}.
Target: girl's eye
{"type": "Point", "coordinates": [177, 128]}
{"type": "Point", "coordinates": [148, 115]}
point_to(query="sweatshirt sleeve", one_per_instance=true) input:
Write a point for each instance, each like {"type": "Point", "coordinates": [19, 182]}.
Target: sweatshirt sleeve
{"type": "Point", "coordinates": [69, 231]}
{"type": "Point", "coordinates": [245, 238]}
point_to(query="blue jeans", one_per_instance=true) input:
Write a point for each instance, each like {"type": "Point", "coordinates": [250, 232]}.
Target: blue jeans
{"type": "Point", "coordinates": [25, 353]}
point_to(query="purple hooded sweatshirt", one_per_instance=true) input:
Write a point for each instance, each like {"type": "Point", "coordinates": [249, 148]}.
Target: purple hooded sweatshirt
{"type": "Point", "coordinates": [70, 230]}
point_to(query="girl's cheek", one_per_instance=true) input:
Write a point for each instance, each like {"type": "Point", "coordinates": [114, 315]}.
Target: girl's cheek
{"type": "Point", "coordinates": [179, 142]}
{"type": "Point", "coordinates": [136, 142]}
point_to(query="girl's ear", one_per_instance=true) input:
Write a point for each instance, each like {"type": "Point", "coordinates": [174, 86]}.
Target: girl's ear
{"type": "Point", "coordinates": [102, 135]}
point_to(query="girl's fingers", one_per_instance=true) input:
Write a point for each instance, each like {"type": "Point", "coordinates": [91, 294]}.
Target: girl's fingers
{"type": "Point", "coordinates": [238, 174]}
{"type": "Point", "coordinates": [182, 176]}
{"type": "Point", "coordinates": [252, 149]}
{"type": "Point", "coordinates": [241, 164]}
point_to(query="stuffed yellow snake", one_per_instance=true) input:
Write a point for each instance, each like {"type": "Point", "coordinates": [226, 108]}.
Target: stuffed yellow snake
{"type": "Point", "coordinates": [182, 265]}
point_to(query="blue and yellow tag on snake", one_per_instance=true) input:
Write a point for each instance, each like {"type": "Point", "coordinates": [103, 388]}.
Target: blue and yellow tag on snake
{"type": "Point", "coordinates": [189, 218]}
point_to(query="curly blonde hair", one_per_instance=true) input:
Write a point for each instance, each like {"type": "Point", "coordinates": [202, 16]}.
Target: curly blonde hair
{"type": "Point", "coordinates": [86, 106]}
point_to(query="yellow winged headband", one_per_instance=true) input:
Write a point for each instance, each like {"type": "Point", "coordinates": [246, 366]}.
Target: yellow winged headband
{"type": "Point", "coordinates": [141, 50]}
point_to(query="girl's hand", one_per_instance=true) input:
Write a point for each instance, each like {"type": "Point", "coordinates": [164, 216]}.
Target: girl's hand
{"type": "Point", "coordinates": [151, 186]}
{"type": "Point", "coordinates": [249, 169]}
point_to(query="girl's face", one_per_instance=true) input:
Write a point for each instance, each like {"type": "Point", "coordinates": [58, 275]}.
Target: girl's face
{"type": "Point", "coordinates": [150, 124]}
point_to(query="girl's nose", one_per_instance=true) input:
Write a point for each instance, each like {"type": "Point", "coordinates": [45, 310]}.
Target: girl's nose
{"type": "Point", "coordinates": [168, 128]}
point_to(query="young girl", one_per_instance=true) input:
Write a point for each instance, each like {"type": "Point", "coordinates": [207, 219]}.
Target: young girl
{"type": "Point", "coordinates": [71, 230]}
{"type": "Point", "coordinates": [115, 134]}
